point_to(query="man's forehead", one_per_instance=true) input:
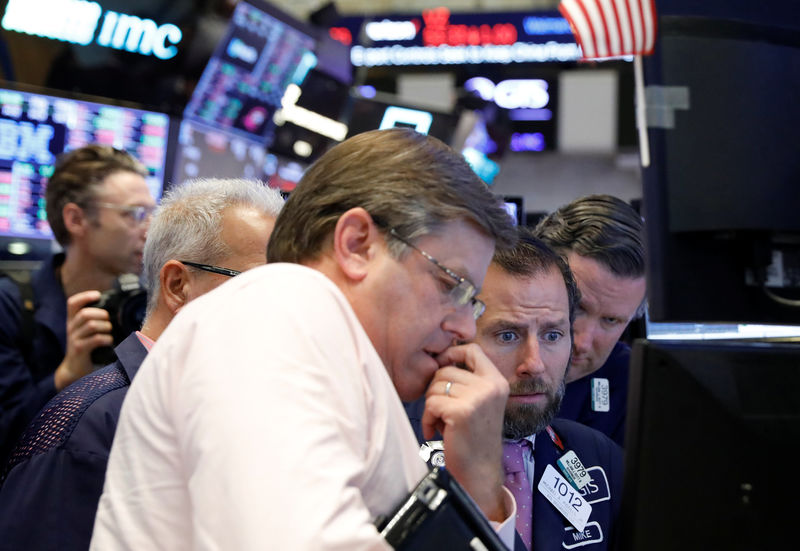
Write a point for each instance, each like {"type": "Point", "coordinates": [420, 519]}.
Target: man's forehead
{"type": "Point", "coordinates": [124, 184]}
{"type": "Point", "coordinates": [460, 246]}
{"type": "Point", "coordinates": [540, 293]}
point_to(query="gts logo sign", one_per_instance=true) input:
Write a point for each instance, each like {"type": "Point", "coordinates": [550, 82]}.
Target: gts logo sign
{"type": "Point", "coordinates": [597, 488]}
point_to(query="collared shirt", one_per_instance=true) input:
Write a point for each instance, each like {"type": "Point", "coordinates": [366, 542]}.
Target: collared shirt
{"type": "Point", "coordinates": [146, 341]}
{"type": "Point", "coordinates": [263, 414]}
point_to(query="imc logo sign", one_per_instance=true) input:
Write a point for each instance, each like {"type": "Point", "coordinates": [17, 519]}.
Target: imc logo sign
{"type": "Point", "coordinates": [78, 21]}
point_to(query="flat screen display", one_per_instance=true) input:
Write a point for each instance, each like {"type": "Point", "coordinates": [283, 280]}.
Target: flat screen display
{"type": "Point", "coordinates": [283, 173]}
{"type": "Point", "coordinates": [371, 114]}
{"type": "Point", "coordinates": [204, 152]}
{"type": "Point", "coordinates": [261, 53]}
{"type": "Point", "coordinates": [35, 128]}
{"type": "Point", "coordinates": [705, 420]}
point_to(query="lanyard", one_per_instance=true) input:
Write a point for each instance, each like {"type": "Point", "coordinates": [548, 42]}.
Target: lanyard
{"type": "Point", "coordinates": [555, 438]}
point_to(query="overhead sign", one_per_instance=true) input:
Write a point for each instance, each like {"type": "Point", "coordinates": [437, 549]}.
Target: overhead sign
{"type": "Point", "coordinates": [511, 94]}
{"type": "Point", "coordinates": [438, 37]}
{"type": "Point", "coordinates": [82, 22]}
{"type": "Point", "coordinates": [530, 105]}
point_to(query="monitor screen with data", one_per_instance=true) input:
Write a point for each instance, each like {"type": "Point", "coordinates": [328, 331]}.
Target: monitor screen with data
{"type": "Point", "coordinates": [262, 52]}
{"type": "Point", "coordinates": [35, 128]}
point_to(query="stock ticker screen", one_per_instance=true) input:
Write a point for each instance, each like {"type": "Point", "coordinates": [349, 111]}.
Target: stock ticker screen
{"type": "Point", "coordinates": [244, 81]}
{"type": "Point", "coordinates": [214, 153]}
{"type": "Point", "coordinates": [34, 128]}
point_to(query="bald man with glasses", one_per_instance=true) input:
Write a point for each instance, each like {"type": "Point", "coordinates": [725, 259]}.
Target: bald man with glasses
{"type": "Point", "coordinates": [55, 475]}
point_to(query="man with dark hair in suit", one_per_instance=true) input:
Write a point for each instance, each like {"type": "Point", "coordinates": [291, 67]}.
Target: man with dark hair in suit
{"type": "Point", "coordinates": [602, 239]}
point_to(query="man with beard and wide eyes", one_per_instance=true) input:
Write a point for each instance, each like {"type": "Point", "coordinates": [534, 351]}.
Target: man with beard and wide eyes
{"type": "Point", "coordinates": [530, 299]}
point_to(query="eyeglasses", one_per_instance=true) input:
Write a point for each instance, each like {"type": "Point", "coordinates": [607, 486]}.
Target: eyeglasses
{"type": "Point", "coordinates": [208, 268]}
{"type": "Point", "coordinates": [138, 213]}
{"type": "Point", "coordinates": [463, 292]}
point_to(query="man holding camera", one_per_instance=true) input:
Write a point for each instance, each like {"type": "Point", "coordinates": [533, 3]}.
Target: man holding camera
{"type": "Point", "coordinates": [98, 206]}
{"type": "Point", "coordinates": [203, 233]}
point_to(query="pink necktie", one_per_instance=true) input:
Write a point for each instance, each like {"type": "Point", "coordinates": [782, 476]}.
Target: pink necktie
{"type": "Point", "coordinates": [519, 485]}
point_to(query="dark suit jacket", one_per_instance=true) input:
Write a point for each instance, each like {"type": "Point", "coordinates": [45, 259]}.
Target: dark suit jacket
{"type": "Point", "coordinates": [577, 403]}
{"type": "Point", "coordinates": [601, 456]}
{"type": "Point", "coordinates": [26, 372]}
{"type": "Point", "coordinates": [603, 459]}
{"type": "Point", "coordinates": [55, 475]}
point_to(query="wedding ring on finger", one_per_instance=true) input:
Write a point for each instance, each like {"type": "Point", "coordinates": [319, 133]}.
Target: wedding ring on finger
{"type": "Point", "coordinates": [447, 388]}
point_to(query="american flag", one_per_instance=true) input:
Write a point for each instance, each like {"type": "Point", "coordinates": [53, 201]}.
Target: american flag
{"type": "Point", "coordinates": [611, 28]}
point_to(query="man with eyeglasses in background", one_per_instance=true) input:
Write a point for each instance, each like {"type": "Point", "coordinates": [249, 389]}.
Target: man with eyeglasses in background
{"type": "Point", "coordinates": [98, 206]}
{"type": "Point", "coordinates": [269, 414]}
{"type": "Point", "coordinates": [203, 233]}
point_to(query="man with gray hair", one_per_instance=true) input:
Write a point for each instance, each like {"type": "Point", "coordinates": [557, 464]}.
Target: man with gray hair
{"type": "Point", "coordinates": [602, 239]}
{"type": "Point", "coordinates": [203, 233]}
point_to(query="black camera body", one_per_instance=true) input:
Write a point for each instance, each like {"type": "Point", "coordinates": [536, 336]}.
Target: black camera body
{"type": "Point", "coordinates": [126, 304]}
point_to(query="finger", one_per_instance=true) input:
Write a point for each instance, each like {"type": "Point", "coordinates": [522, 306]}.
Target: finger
{"type": "Point", "coordinates": [87, 328]}
{"type": "Point", "coordinates": [99, 339]}
{"type": "Point", "coordinates": [432, 421]}
{"type": "Point", "coordinates": [451, 374]}
{"type": "Point", "coordinates": [467, 356]}
{"type": "Point", "coordinates": [88, 317]}
{"type": "Point", "coordinates": [88, 314]}
{"type": "Point", "coordinates": [86, 345]}
{"type": "Point", "coordinates": [443, 387]}
{"type": "Point", "coordinates": [79, 300]}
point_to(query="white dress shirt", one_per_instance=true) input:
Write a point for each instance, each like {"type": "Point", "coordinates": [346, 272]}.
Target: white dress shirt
{"type": "Point", "coordinates": [263, 418]}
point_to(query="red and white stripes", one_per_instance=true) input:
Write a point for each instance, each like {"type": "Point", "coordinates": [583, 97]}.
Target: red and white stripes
{"type": "Point", "coordinates": [612, 28]}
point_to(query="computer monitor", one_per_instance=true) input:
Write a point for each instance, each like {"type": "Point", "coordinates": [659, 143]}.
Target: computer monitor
{"type": "Point", "coordinates": [721, 193]}
{"type": "Point", "coordinates": [373, 114]}
{"type": "Point", "coordinates": [262, 52]}
{"type": "Point", "coordinates": [205, 152]}
{"type": "Point", "coordinates": [35, 128]}
{"type": "Point", "coordinates": [308, 123]}
{"type": "Point", "coordinates": [710, 446]}
{"type": "Point", "coordinates": [283, 173]}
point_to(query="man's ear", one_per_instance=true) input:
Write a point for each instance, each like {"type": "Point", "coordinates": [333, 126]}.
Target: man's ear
{"type": "Point", "coordinates": [355, 242]}
{"type": "Point", "coordinates": [174, 279]}
{"type": "Point", "coordinates": [75, 219]}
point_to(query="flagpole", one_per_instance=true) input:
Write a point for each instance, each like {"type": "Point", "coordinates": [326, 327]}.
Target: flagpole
{"type": "Point", "coordinates": [641, 111]}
